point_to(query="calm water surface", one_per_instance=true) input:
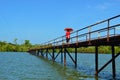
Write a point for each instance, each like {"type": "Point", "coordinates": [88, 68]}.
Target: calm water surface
{"type": "Point", "coordinates": [23, 66]}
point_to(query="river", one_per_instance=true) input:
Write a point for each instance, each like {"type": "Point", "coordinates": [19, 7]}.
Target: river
{"type": "Point", "coordinates": [24, 66]}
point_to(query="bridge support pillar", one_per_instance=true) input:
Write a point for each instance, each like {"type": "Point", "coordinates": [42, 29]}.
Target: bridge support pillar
{"type": "Point", "coordinates": [38, 52]}
{"type": "Point", "coordinates": [96, 60]}
{"type": "Point", "coordinates": [53, 56]}
{"type": "Point", "coordinates": [113, 62]}
{"type": "Point", "coordinates": [61, 55]}
{"type": "Point", "coordinates": [41, 51]}
{"type": "Point", "coordinates": [76, 57]}
{"type": "Point", "coordinates": [64, 56]}
{"type": "Point", "coordinates": [47, 53]}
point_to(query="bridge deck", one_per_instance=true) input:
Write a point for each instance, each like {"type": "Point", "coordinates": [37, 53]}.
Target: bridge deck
{"type": "Point", "coordinates": [114, 40]}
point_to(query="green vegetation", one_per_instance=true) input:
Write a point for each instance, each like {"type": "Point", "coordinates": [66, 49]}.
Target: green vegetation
{"type": "Point", "coordinates": [14, 47]}
{"type": "Point", "coordinates": [102, 49]}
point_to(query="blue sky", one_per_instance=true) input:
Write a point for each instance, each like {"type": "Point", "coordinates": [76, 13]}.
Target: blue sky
{"type": "Point", "coordinates": [43, 20]}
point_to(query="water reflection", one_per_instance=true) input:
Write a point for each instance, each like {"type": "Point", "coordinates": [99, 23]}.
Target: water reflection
{"type": "Point", "coordinates": [68, 73]}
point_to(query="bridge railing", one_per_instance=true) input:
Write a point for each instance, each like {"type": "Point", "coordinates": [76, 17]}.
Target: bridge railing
{"type": "Point", "coordinates": [103, 29]}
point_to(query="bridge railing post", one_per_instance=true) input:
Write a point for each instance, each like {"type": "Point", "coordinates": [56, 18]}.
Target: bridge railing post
{"type": "Point", "coordinates": [89, 32]}
{"type": "Point", "coordinates": [77, 38]}
{"type": "Point", "coordinates": [62, 41]}
{"type": "Point", "coordinates": [98, 35]}
{"type": "Point", "coordinates": [54, 42]}
{"type": "Point", "coordinates": [108, 30]}
{"type": "Point", "coordinates": [86, 37]}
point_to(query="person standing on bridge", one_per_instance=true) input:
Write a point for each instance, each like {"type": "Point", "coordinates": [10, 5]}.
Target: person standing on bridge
{"type": "Point", "coordinates": [67, 36]}
{"type": "Point", "coordinates": [68, 30]}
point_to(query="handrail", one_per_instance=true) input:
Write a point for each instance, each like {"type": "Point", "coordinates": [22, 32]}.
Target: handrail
{"type": "Point", "coordinates": [106, 32]}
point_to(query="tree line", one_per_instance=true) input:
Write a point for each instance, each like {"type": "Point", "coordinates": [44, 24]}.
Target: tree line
{"type": "Point", "coordinates": [14, 47]}
{"type": "Point", "coordinates": [101, 49]}
{"type": "Point", "coordinates": [26, 45]}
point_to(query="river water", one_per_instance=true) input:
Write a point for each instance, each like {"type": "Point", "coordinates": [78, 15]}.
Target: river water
{"type": "Point", "coordinates": [24, 66]}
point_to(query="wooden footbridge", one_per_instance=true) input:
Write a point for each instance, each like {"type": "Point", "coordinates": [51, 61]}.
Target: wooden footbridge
{"type": "Point", "coordinates": [103, 33]}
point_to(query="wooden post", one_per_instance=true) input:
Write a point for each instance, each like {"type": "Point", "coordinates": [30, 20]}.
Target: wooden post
{"type": "Point", "coordinates": [53, 56]}
{"type": "Point", "coordinates": [108, 32]}
{"type": "Point", "coordinates": [113, 62]}
{"type": "Point", "coordinates": [42, 53]}
{"type": "Point", "coordinates": [89, 31]}
{"type": "Point", "coordinates": [76, 57]}
{"type": "Point", "coordinates": [47, 53]}
{"type": "Point", "coordinates": [77, 38]}
{"type": "Point", "coordinates": [64, 56]}
{"type": "Point", "coordinates": [61, 55]}
{"type": "Point", "coordinates": [96, 60]}
{"type": "Point", "coordinates": [38, 52]}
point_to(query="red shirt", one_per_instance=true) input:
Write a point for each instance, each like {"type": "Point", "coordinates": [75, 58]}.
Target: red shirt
{"type": "Point", "coordinates": [68, 34]}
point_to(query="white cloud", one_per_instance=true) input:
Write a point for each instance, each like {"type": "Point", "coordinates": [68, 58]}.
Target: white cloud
{"type": "Point", "coordinates": [100, 6]}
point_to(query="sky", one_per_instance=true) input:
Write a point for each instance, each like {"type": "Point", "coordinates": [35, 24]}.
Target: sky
{"type": "Point", "coordinates": [43, 20]}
